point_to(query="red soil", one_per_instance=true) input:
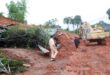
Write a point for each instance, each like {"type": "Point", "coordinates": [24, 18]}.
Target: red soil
{"type": "Point", "coordinates": [86, 60]}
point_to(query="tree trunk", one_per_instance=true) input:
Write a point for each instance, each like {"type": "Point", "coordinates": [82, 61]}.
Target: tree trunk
{"type": "Point", "coordinates": [68, 27]}
{"type": "Point", "coordinates": [73, 27]}
{"type": "Point", "coordinates": [77, 29]}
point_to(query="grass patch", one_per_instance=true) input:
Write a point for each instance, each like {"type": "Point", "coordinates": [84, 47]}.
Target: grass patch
{"type": "Point", "coordinates": [10, 66]}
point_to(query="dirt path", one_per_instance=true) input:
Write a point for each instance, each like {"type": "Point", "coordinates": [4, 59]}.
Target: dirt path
{"type": "Point", "coordinates": [40, 64]}
{"type": "Point", "coordinates": [94, 60]}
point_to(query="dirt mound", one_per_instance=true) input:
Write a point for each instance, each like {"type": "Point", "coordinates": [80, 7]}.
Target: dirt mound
{"type": "Point", "coordinates": [6, 21]}
{"type": "Point", "coordinates": [88, 60]}
{"type": "Point", "coordinates": [67, 44]}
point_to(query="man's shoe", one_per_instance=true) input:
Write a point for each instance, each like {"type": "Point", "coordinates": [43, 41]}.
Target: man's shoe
{"type": "Point", "coordinates": [52, 59]}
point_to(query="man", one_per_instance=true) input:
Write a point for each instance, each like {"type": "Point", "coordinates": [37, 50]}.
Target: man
{"type": "Point", "coordinates": [53, 48]}
{"type": "Point", "coordinates": [54, 44]}
{"type": "Point", "coordinates": [77, 42]}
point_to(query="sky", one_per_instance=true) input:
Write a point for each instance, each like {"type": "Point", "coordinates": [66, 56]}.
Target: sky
{"type": "Point", "coordinates": [40, 11]}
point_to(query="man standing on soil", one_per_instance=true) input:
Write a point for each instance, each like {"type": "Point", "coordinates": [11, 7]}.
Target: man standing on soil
{"type": "Point", "coordinates": [77, 42]}
{"type": "Point", "coordinates": [53, 43]}
{"type": "Point", "coordinates": [53, 48]}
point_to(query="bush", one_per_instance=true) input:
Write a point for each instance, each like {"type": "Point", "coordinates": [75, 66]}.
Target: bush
{"type": "Point", "coordinates": [14, 65]}
{"type": "Point", "coordinates": [23, 38]}
{"type": "Point", "coordinates": [42, 36]}
{"type": "Point", "coordinates": [14, 37]}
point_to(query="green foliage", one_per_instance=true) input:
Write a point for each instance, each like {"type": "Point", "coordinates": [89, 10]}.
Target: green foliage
{"type": "Point", "coordinates": [42, 36]}
{"type": "Point", "coordinates": [1, 14]}
{"type": "Point", "coordinates": [67, 20]}
{"type": "Point", "coordinates": [76, 31]}
{"type": "Point", "coordinates": [29, 38]}
{"type": "Point", "coordinates": [50, 23]}
{"type": "Point", "coordinates": [17, 11]}
{"type": "Point", "coordinates": [108, 12]}
{"type": "Point", "coordinates": [2, 55]}
{"type": "Point", "coordinates": [77, 20]}
{"type": "Point", "coordinates": [14, 65]}
{"type": "Point", "coordinates": [14, 37]}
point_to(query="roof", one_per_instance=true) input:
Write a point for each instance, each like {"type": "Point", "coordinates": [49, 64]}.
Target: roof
{"type": "Point", "coordinates": [6, 21]}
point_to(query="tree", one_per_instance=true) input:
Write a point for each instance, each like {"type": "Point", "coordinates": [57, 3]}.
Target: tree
{"type": "Point", "coordinates": [1, 14]}
{"type": "Point", "coordinates": [54, 21]}
{"type": "Point", "coordinates": [108, 12]}
{"type": "Point", "coordinates": [17, 11]}
{"type": "Point", "coordinates": [51, 23]}
{"type": "Point", "coordinates": [77, 20]}
{"type": "Point", "coordinates": [48, 24]}
{"type": "Point", "coordinates": [73, 22]}
{"type": "Point", "coordinates": [67, 20]}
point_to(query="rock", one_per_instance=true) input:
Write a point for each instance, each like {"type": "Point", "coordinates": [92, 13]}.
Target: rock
{"type": "Point", "coordinates": [27, 65]}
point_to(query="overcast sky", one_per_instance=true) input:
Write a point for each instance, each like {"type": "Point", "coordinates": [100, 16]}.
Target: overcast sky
{"type": "Point", "coordinates": [40, 11]}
